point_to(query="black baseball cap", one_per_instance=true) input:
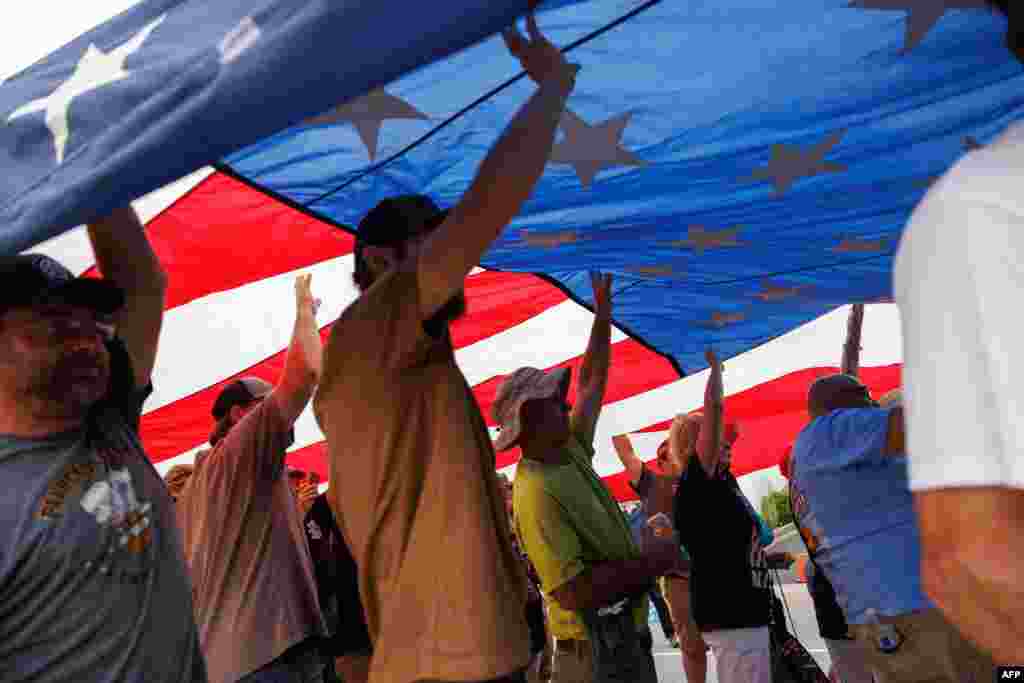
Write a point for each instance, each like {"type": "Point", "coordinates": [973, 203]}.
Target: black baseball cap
{"type": "Point", "coordinates": [396, 219]}
{"type": "Point", "coordinates": [29, 280]}
{"type": "Point", "coordinates": [238, 393]}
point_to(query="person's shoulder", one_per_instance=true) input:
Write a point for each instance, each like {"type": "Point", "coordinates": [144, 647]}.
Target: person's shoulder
{"type": "Point", "coordinates": [579, 449]}
{"type": "Point", "coordinates": [986, 175]}
{"type": "Point", "coordinates": [536, 486]}
{"type": "Point", "coordinates": [531, 477]}
{"type": "Point", "coordinates": [392, 289]}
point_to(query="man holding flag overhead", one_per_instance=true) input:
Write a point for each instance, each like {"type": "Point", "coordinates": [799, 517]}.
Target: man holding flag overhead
{"type": "Point", "coordinates": [411, 462]}
{"type": "Point", "coordinates": [92, 578]}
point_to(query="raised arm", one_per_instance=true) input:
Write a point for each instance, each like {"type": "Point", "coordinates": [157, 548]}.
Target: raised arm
{"type": "Point", "coordinates": [593, 378]}
{"type": "Point", "coordinates": [303, 363]}
{"type": "Point", "coordinates": [709, 443]}
{"type": "Point", "coordinates": [851, 348]}
{"type": "Point", "coordinates": [628, 457]}
{"type": "Point", "coordinates": [125, 256]}
{"type": "Point", "coordinates": [506, 176]}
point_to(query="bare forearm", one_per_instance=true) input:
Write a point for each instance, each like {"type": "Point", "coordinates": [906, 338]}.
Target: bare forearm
{"type": "Point", "coordinates": [982, 597]}
{"type": "Point", "coordinates": [302, 366]}
{"type": "Point", "coordinates": [305, 352]}
{"type": "Point", "coordinates": [627, 456]}
{"type": "Point", "coordinates": [596, 360]}
{"type": "Point", "coordinates": [509, 172]}
{"type": "Point", "coordinates": [124, 254]}
{"type": "Point", "coordinates": [609, 582]}
{"type": "Point", "coordinates": [505, 180]}
{"type": "Point", "coordinates": [710, 446]}
{"type": "Point", "coordinates": [972, 570]}
{"type": "Point", "coordinates": [851, 348]}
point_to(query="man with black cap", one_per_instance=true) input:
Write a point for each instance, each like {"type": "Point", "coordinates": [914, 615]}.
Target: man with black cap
{"type": "Point", "coordinates": [412, 481]}
{"type": "Point", "coordinates": [849, 469]}
{"type": "Point", "coordinates": [255, 593]}
{"type": "Point", "coordinates": [958, 280]}
{"type": "Point", "coordinates": [92, 579]}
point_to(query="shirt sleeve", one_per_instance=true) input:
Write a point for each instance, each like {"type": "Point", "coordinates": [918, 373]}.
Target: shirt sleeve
{"type": "Point", "coordinates": [551, 543]}
{"type": "Point", "coordinates": [765, 531]}
{"type": "Point", "coordinates": [257, 444]}
{"type": "Point", "coordinates": [959, 283]}
{"type": "Point", "coordinates": [859, 436]}
{"type": "Point", "coordinates": [122, 394]}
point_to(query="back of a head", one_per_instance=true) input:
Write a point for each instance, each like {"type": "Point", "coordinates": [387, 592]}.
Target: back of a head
{"type": "Point", "coordinates": [391, 223]}
{"type": "Point", "coordinates": [836, 391]}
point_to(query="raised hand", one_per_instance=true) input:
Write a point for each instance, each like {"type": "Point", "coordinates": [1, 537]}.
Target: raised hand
{"type": "Point", "coordinates": [541, 60]}
{"type": "Point", "coordinates": [305, 302]}
{"type": "Point", "coordinates": [306, 495]}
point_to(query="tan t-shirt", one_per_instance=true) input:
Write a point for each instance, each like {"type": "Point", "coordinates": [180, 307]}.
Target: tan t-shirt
{"type": "Point", "coordinates": [416, 496]}
{"type": "Point", "coordinates": [254, 593]}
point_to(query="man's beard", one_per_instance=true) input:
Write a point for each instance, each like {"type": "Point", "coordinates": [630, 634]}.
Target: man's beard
{"type": "Point", "coordinates": [69, 385]}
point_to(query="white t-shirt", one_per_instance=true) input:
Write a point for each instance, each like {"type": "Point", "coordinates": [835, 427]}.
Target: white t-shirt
{"type": "Point", "coordinates": [959, 282]}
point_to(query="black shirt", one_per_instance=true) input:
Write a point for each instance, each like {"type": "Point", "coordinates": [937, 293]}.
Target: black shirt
{"type": "Point", "coordinates": [337, 581]}
{"type": "Point", "coordinates": [729, 578]}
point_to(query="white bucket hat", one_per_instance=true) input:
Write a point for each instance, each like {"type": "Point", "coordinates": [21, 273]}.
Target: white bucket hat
{"type": "Point", "coordinates": [525, 384]}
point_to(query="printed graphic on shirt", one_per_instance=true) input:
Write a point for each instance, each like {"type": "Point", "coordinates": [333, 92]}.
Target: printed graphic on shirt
{"type": "Point", "coordinates": [804, 519]}
{"type": "Point", "coordinates": [72, 481]}
{"type": "Point", "coordinates": [314, 531]}
{"type": "Point", "coordinates": [112, 503]}
{"type": "Point", "coordinates": [758, 562]}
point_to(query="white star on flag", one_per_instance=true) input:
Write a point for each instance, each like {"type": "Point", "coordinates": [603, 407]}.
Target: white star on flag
{"type": "Point", "coordinates": [368, 113]}
{"type": "Point", "coordinates": [789, 163]}
{"type": "Point", "coordinates": [771, 291]}
{"type": "Point", "coordinates": [700, 238]}
{"type": "Point", "coordinates": [94, 70]}
{"type": "Point", "coordinates": [591, 148]}
{"type": "Point", "coordinates": [922, 15]}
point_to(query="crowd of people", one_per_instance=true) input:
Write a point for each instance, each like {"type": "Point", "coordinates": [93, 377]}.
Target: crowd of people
{"type": "Point", "coordinates": [420, 563]}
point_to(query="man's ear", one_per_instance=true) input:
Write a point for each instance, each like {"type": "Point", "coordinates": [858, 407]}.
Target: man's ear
{"type": "Point", "coordinates": [236, 412]}
{"type": "Point", "coordinates": [380, 259]}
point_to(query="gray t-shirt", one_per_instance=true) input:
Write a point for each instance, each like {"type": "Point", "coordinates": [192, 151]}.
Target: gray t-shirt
{"type": "Point", "coordinates": [93, 585]}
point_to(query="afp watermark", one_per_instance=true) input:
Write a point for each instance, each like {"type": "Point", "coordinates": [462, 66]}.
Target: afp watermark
{"type": "Point", "coordinates": [1010, 673]}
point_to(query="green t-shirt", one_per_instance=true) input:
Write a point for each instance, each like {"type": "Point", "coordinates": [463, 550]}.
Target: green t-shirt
{"type": "Point", "coordinates": [567, 521]}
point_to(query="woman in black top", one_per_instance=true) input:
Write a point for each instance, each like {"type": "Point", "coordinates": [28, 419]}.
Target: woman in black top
{"type": "Point", "coordinates": [729, 585]}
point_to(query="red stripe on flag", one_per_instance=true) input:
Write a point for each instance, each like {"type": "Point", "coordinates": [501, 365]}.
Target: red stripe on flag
{"type": "Point", "coordinates": [179, 426]}
{"type": "Point", "coordinates": [223, 234]}
{"type": "Point", "coordinates": [769, 416]}
{"type": "Point", "coordinates": [497, 301]}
